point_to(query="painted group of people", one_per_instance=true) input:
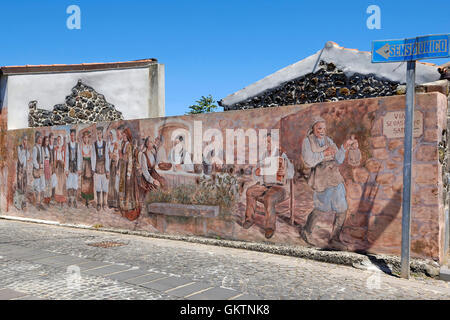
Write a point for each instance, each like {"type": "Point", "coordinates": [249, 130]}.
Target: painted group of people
{"type": "Point", "coordinates": [119, 171]}
{"type": "Point", "coordinates": [47, 167]}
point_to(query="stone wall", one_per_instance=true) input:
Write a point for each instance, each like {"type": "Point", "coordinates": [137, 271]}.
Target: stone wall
{"type": "Point", "coordinates": [213, 201]}
{"type": "Point", "coordinates": [378, 184]}
{"type": "Point", "coordinates": [327, 84]}
{"type": "Point", "coordinates": [83, 105]}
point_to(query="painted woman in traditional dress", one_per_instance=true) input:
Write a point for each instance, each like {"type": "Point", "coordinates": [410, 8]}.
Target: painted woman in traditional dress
{"type": "Point", "coordinates": [23, 157]}
{"type": "Point", "coordinates": [47, 170]}
{"type": "Point", "coordinates": [87, 176]}
{"type": "Point", "coordinates": [147, 161]}
{"type": "Point", "coordinates": [140, 185]}
{"type": "Point", "coordinates": [113, 190]}
{"type": "Point", "coordinates": [127, 183]}
{"type": "Point", "coordinates": [38, 168]}
{"type": "Point", "coordinates": [51, 147]}
{"type": "Point", "coordinates": [60, 156]}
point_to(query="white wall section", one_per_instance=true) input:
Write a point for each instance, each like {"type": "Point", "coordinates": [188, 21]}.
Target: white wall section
{"type": "Point", "coordinates": [127, 89]}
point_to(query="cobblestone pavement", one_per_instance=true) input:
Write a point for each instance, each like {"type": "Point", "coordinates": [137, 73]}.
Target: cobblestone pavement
{"type": "Point", "coordinates": [51, 262]}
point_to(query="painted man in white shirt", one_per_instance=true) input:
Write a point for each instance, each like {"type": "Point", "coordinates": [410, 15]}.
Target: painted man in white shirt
{"type": "Point", "coordinates": [73, 168]}
{"type": "Point", "coordinates": [51, 148]}
{"type": "Point", "coordinates": [100, 166]}
{"type": "Point", "coordinates": [270, 187]}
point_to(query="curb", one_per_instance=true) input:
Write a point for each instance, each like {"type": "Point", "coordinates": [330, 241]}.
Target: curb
{"type": "Point", "coordinates": [444, 274]}
{"type": "Point", "coordinates": [385, 263]}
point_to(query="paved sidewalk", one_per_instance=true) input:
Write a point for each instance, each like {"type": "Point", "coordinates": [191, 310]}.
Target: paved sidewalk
{"type": "Point", "coordinates": [49, 262]}
{"type": "Point", "coordinates": [63, 276]}
{"type": "Point", "coordinates": [8, 294]}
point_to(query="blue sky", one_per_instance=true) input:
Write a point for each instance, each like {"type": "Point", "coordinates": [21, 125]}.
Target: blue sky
{"type": "Point", "coordinates": [208, 46]}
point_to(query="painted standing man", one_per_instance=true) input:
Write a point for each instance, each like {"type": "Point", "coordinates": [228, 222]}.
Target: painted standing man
{"type": "Point", "coordinates": [321, 154]}
{"type": "Point", "coordinates": [47, 170]}
{"type": "Point", "coordinates": [23, 156]}
{"type": "Point", "coordinates": [100, 167]}
{"type": "Point", "coordinates": [270, 187]}
{"type": "Point", "coordinates": [38, 171]}
{"type": "Point", "coordinates": [87, 175]}
{"type": "Point", "coordinates": [73, 168]}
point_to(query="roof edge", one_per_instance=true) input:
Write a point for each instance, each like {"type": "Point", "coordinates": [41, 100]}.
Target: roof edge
{"type": "Point", "coordinates": [350, 61]}
{"type": "Point", "coordinates": [57, 68]}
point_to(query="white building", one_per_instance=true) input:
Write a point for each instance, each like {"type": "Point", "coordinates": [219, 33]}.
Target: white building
{"type": "Point", "coordinates": [135, 88]}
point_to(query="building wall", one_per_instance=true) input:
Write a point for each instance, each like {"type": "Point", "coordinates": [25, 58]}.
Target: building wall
{"type": "Point", "coordinates": [132, 91]}
{"type": "Point", "coordinates": [305, 81]}
{"type": "Point", "coordinates": [215, 205]}
{"type": "Point", "coordinates": [327, 84]}
{"type": "Point", "coordinates": [157, 99]}
{"type": "Point", "coordinates": [3, 131]}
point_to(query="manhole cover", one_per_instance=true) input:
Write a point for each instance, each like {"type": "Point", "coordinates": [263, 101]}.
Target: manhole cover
{"type": "Point", "coordinates": [106, 244]}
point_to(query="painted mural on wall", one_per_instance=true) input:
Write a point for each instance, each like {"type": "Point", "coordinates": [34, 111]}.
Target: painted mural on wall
{"type": "Point", "coordinates": [325, 175]}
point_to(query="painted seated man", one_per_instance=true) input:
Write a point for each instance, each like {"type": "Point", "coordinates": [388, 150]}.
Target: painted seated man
{"type": "Point", "coordinates": [270, 187]}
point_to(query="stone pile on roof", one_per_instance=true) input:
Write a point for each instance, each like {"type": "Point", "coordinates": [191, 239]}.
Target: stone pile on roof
{"type": "Point", "coordinates": [83, 105]}
{"type": "Point", "coordinates": [333, 73]}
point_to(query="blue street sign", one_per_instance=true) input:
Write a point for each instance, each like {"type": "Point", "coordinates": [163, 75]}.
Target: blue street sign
{"type": "Point", "coordinates": [426, 47]}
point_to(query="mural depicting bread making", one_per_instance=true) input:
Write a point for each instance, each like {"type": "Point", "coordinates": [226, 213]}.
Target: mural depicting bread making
{"type": "Point", "coordinates": [325, 175]}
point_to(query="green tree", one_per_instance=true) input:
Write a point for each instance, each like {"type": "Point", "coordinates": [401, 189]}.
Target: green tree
{"type": "Point", "coordinates": [204, 105]}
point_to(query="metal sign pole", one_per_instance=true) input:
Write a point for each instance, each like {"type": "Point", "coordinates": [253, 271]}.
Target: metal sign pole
{"type": "Point", "coordinates": [407, 163]}
{"type": "Point", "coordinates": [409, 50]}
